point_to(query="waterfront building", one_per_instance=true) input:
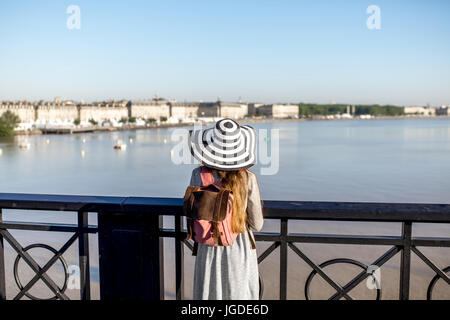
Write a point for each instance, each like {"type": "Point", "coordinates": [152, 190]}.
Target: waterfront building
{"type": "Point", "coordinates": [277, 110]}
{"type": "Point", "coordinates": [23, 109]}
{"type": "Point", "coordinates": [419, 110]}
{"type": "Point", "coordinates": [233, 110]}
{"type": "Point", "coordinates": [59, 112]}
{"type": "Point", "coordinates": [63, 113]}
{"type": "Point", "coordinates": [208, 110]}
{"type": "Point", "coordinates": [253, 108]}
{"type": "Point", "coordinates": [443, 111]}
{"type": "Point", "coordinates": [351, 110]}
{"type": "Point", "coordinates": [101, 113]}
{"type": "Point", "coordinates": [149, 109]}
{"type": "Point", "coordinates": [184, 110]}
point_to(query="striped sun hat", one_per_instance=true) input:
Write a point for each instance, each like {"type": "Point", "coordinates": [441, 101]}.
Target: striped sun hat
{"type": "Point", "coordinates": [226, 146]}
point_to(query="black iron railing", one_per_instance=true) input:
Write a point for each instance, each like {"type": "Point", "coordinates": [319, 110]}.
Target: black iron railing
{"type": "Point", "coordinates": [130, 237]}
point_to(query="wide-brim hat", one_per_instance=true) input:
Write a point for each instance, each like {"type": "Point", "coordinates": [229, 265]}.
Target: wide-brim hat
{"type": "Point", "coordinates": [226, 146]}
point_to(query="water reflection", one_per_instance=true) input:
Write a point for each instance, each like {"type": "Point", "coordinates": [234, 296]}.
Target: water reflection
{"type": "Point", "coordinates": [367, 160]}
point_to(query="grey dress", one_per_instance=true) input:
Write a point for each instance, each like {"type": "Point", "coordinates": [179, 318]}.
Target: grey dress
{"type": "Point", "coordinates": [230, 273]}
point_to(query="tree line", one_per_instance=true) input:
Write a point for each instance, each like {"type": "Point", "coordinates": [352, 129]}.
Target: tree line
{"type": "Point", "coordinates": [310, 109]}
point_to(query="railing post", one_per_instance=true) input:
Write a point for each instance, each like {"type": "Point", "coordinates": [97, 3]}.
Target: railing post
{"type": "Point", "coordinates": [131, 256]}
{"type": "Point", "coordinates": [283, 258]}
{"type": "Point", "coordinates": [161, 259]}
{"type": "Point", "coordinates": [405, 262]}
{"type": "Point", "coordinates": [2, 266]}
{"type": "Point", "coordinates": [83, 252]}
{"type": "Point", "coordinates": [179, 258]}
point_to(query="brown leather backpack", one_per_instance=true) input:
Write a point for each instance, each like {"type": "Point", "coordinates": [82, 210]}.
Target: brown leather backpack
{"type": "Point", "coordinates": [208, 210]}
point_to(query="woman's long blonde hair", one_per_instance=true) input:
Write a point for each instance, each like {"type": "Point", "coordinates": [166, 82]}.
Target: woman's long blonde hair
{"type": "Point", "coordinates": [236, 181]}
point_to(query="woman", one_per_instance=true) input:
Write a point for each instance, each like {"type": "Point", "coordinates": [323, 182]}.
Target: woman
{"type": "Point", "coordinates": [229, 272]}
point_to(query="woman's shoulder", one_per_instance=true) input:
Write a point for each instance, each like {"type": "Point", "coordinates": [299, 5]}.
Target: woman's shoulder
{"type": "Point", "coordinates": [195, 177]}
{"type": "Point", "coordinates": [202, 169]}
{"type": "Point", "coordinates": [196, 171]}
{"type": "Point", "coordinates": [252, 179]}
{"type": "Point", "coordinates": [250, 174]}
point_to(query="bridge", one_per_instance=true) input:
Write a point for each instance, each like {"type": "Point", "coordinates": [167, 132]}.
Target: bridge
{"type": "Point", "coordinates": [130, 241]}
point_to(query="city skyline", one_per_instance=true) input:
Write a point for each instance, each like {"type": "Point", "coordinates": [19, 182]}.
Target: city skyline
{"type": "Point", "coordinates": [156, 98]}
{"type": "Point", "coordinates": [62, 100]}
{"type": "Point", "coordinates": [262, 51]}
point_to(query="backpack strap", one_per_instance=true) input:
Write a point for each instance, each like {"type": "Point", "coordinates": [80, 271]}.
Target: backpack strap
{"type": "Point", "coordinates": [190, 229]}
{"type": "Point", "coordinates": [191, 234]}
{"type": "Point", "coordinates": [188, 199]}
{"type": "Point", "coordinates": [207, 176]}
{"type": "Point", "coordinates": [220, 211]}
{"type": "Point", "coordinates": [187, 207]}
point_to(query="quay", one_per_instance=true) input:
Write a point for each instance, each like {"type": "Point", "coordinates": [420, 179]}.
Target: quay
{"type": "Point", "coordinates": [72, 130]}
{"type": "Point", "coordinates": [130, 242]}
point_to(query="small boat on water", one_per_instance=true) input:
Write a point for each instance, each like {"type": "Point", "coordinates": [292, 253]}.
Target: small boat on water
{"type": "Point", "coordinates": [24, 145]}
{"type": "Point", "coordinates": [120, 145]}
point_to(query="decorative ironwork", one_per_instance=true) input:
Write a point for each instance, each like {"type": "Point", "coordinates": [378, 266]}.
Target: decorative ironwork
{"type": "Point", "coordinates": [135, 212]}
{"type": "Point", "coordinates": [337, 261]}
{"type": "Point", "coordinates": [433, 282]}
{"type": "Point", "coordinates": [57, 256]}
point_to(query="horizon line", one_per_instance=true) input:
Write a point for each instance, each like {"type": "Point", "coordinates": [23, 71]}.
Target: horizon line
{"type": "Point", "coordinates": [82, 101]}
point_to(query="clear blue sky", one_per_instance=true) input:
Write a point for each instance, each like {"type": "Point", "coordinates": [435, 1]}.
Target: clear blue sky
{"type": "Point", "coordinates": [268, 51]}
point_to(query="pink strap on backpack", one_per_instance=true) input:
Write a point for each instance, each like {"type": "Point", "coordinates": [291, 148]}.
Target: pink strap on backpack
{"type": "Point", "coordinates": [207, 176]}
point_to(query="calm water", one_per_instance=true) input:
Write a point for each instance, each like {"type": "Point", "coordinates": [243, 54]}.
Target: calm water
{"type": "Point", "coordinates": [356, 160]}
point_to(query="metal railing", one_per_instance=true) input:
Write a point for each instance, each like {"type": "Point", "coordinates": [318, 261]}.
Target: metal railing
{"type": "Point", "coordinates": [130, 242]}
